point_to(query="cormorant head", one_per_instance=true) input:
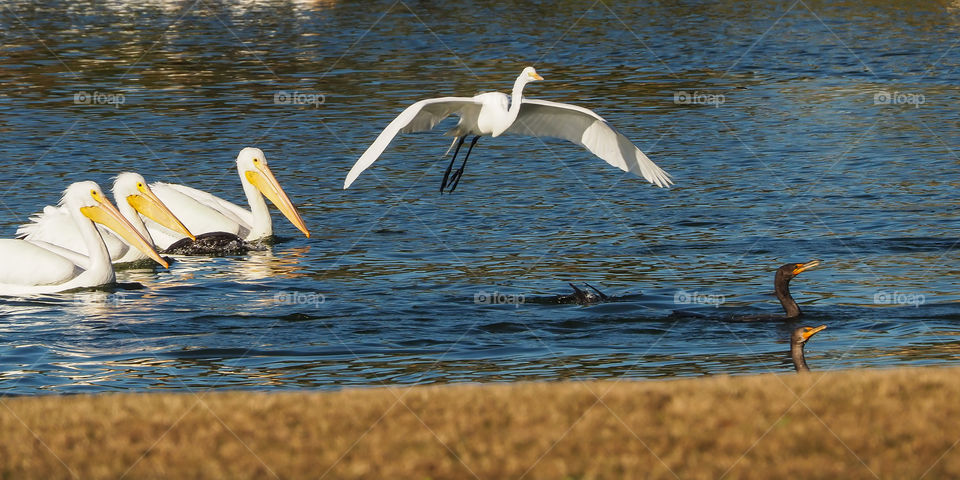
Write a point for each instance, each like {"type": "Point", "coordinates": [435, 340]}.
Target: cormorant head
{"type": "Point", "coordinates": [802, 334]}
{"type": "Point", "coordinates": [790, 270]}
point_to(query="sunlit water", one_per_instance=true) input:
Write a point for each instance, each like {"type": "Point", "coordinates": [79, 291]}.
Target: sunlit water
{"type": "Point", "coordinates": [793, 130]}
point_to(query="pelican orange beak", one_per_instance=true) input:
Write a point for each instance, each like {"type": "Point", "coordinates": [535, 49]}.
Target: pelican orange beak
{"type": "Point", "coordinates": [803, 267]}
{"type": "Point", "coordinates": [265, 182]}
{"type": "Point", "coordinates": [147, 203]}
{"type": "Point", "coordinates": [811, 331]}
{"type": "Point", "coordinates": [107, 215]}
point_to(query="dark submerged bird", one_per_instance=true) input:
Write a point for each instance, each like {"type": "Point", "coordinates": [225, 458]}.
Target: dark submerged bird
{"type": "Point", "coordinates": [582, 296]}
{"type": "Point", "coordinates": [213, 244]}
{"type": "Point", "coordinates": [797, 341]}
{"type": "Point", "coordinates": [781, 285]}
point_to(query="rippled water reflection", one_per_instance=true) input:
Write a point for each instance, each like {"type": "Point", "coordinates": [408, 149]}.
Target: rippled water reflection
{"type": "Point", "coordinates": [793, 130]}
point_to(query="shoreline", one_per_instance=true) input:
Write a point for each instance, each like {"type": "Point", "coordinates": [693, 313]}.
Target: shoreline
{"type": "Point", "coordinates": [850, 424]}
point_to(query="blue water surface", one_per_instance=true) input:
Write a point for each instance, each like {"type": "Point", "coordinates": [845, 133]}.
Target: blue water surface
{"type": "Point", "coordinates": [793, 130]}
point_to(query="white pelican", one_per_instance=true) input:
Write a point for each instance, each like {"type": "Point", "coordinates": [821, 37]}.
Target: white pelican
{"type": "Point", "coordinates": [204, 213]}
{"type": "Point", "coordinates": [493, 114]}
{"type": "Point", "coordinates": [26, 268]}
{"type": "Point", "coordinates": [55, 227]}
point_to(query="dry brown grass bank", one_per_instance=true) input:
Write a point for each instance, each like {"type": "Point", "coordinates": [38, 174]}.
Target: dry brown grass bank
{"type": "Point", "coordinates": [888, 424]}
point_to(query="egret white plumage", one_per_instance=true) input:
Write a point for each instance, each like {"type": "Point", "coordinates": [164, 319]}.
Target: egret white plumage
{"type": "Point", "coordinates": [26, 268]}
{"type": "Point", "coordinates": [493, 114]}
{"type": "Point", "coordinates": [133, 197]}
{"type": "Point", "coordinates": [204, 213]}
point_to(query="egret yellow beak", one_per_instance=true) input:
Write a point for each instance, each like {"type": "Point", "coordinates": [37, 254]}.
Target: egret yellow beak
{"type": "Point", "coordinates": [107, 215]}
{"type": "Point", "coordinates": [811, 331]}
{"type": "Point", "coordinates": [147, 203]}
{"type": "Point", "coordinates": [802, 267]}
{"type": "Point", "coordinates": [536, 76]}
{"type": "Point", "coordinates": [265, 182]}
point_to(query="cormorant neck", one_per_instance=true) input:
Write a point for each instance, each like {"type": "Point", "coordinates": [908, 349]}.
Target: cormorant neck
{"type": "Point", "coordinates": [796, 352]}
{"type": "Point", "coordinates": [782, 288]}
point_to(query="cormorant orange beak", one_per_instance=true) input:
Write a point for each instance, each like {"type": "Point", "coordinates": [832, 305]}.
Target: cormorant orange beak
{"type": "Point", "coordinates": [803, 267]}
{"type": "Point", "coordinates": [811, 331]}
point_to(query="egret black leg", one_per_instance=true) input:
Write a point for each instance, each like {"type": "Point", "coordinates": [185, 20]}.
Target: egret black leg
{"type": "Point", "coordinates": [455, 180]}
{"type": "Point", "coordinates": [446, 174]}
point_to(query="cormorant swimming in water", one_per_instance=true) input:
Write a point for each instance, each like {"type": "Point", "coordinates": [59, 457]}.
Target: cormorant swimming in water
{"type": "Point", "coordinates": [800, 337]}
{"type": "Point", "coordinates": [582, 296]}
{"type": "Point", "coordinates": [781, 285]}
{"type": "Point", "coordinates": [213, 244]}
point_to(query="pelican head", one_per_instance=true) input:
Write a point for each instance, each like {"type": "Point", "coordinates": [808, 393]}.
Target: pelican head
{"type": "Point", "coordinates": [252, 165]}
{"type": "Point", "coordinates": [93, 204]}
{"type": "Point", "coordinates": [132, 188]}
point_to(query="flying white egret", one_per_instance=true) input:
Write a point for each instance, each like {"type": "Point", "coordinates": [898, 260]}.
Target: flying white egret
{"type": "Point", "coordinates": [26, 268]}
{"type": "Point", "coordinates": [55, 227]}
{"type": "Point", "coordinates": [493, 114]}
{"type": "Point", "coordinates": [204, 213]}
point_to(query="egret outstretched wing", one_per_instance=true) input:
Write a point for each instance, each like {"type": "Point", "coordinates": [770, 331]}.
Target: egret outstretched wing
{"type": "Point", "coordinates": [540, 118]}
{"type": "Point", "coordinates": [419, 117]}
